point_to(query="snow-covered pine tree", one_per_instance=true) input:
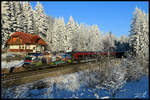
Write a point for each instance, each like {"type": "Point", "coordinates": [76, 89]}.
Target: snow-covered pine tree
{"type": "Point", "coordinates": [66, 37]}
{"type": "Point", "coordinates": [70, 32]}
{"type": "Point", "coordinates": [62, 38]}
{"type": "Point", "coordinates": [134, 31]}
{"type": "Point", "coordinates": [108, 41]}
{"type": "Point", "coordinates": [144, 37]}
{"type": "Point", "coordinates": [40, 20]}
{"type": "Point", "coordinates": [80, 30]}
{"type": "Point", "coordinates": [29, 25]}
{"type": "Point", "coordinates": [5, 22]}
{"type": "Point", "coordinates": [96, 38]}
{"type": "Point", "coordinates": [50, 21]}
{"type": "Point", "coordinates": [75, 37]}
{"type": "Point", "coordinates": [84, 37]}
{"type": "Point", "coordinates": [59, 36]}
{"type": "Point", "coordinates": [19, 16]}
{"type": "Point", "coordinates": [49, 32]}
{"type": "Point", "coordinates": [48, 40]}
{"type": "Point", "coordinates": [139, 33]}
{"type": "Point", "coordinates": [24, 21]}
{"type": "Point", "coordinates": [89, 40]}
{"type": "Point", "coordinates": [13, 24]}
{"type": "Point", "coordinates": [122, 39]}
{"type": "Point", "coordinates": [55, 36]}
{"type": "Point", "coordinates": [113, 39]}
{"type": "Point", "coordinates": [122, 43]}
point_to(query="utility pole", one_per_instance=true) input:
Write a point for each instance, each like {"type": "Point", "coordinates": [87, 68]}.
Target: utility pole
{"type": "Point", "coordinates": [109, 40]}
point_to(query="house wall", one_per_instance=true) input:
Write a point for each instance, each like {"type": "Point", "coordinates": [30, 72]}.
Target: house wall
{"type": "Point", "coordinates": [22, 46]}
{"type": "Point", "coordinates": [38, 48]}
{"type": "Point", "coordinates": [14, 46]}
{"type": "Point", "coordinates": [19, 50]}
{"type": "Point", "coordinates": [34, 48]}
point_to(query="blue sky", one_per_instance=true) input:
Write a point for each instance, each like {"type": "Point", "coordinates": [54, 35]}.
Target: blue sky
{"type": "Point", "coordinates": [109, 16]}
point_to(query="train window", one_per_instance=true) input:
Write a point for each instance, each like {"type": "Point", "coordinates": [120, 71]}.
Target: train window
{"type": "Point", "coordinates": [28, 58]}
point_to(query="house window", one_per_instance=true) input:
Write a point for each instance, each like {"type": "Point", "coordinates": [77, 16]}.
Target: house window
{"type": "Point", "coordinates": [28, 46]}
{"type": "Point", "coordinates": [25, 47]}
{"type": "Point", "coordinates": [14, 39]}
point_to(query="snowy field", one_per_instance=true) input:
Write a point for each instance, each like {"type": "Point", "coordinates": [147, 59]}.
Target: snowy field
{"type": "Point", "coordinates": [75, 85]}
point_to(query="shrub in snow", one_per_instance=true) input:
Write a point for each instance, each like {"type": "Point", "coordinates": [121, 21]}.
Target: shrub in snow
{"type": "Point", "coordinates": [40, 85]}
{"type": "Point", "coordinates": [93, 76]}
{"type": "Point", "coordinates": [114, 79]}
{"type": "Point", "coordinates": [134, 68]}
{"type": "Point", "coordinates": [69, 82]}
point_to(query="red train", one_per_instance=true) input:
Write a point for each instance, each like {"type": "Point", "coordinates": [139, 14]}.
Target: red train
{"type": "Point", "coordinates": [84, 55]}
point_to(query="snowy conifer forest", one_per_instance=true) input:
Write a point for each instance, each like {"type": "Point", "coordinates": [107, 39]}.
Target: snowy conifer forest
{"type": "Point", "coordinates": [61, 36]}
{"type": "Point", "coordinates": [19, 16]}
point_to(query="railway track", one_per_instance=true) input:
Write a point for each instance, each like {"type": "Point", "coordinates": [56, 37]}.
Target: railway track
{"type": "Point", "coordinates": [44, 69]}
{"type": "Point", "coordinates": [15, 76]}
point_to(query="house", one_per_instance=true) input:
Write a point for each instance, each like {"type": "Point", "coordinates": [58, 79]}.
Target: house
{"type": "Point", "coordinates": [25, 42]}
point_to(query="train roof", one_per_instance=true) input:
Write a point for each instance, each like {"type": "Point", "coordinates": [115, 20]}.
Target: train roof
{"type": "Point", "coordinates": [95, 51]}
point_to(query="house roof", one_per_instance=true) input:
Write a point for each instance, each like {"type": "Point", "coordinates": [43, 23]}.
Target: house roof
{"type": "Point", "coordinates": [27, 39]}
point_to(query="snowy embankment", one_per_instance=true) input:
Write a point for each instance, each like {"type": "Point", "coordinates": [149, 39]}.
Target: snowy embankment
{"type": "Point", "coordinates": [9, 54]}
{"type": "Point", "coordinates": [75, 85]}
{"type": "Point", "coordinates": [13, 63]}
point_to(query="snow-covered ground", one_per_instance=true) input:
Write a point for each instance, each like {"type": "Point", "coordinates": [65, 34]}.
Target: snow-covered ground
{"type": "Point", "coordinates": [14, 63]}
{"type": "Point", "coordinates": [75, 85]}
{"type": "Point", "coordinates": [135, 89]}
{"type": "Point", "coordinates": [9, 54]}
